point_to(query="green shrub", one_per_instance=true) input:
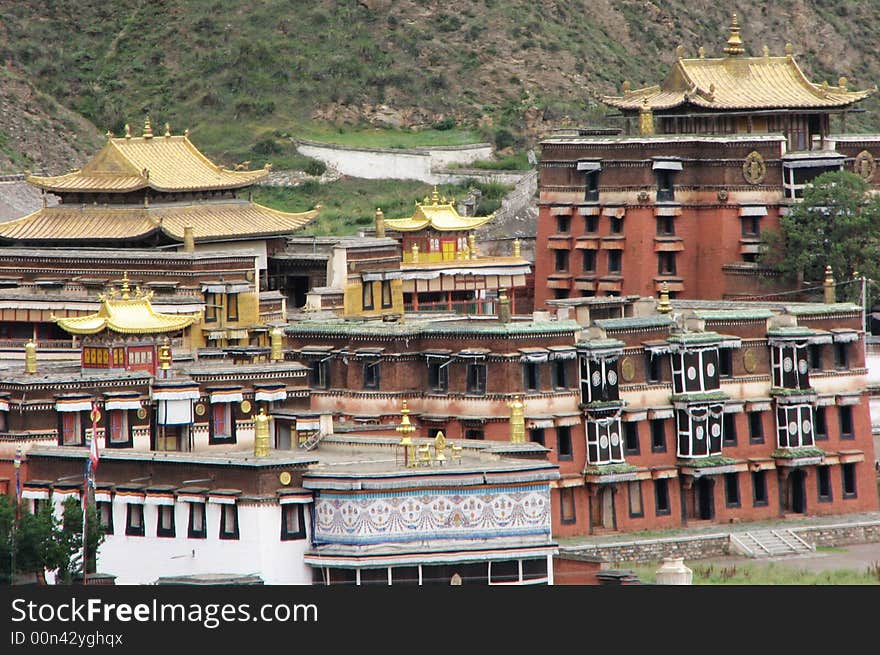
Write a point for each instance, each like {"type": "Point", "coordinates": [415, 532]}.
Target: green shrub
{"type": "Point", "coordinates": [315, 167]}
{"type": "Point", "coordinates": [445, 124]}
{"type": "Point", "coordinates": [504, 138]}
{"type": "Point", "coordinates": [267, 147]}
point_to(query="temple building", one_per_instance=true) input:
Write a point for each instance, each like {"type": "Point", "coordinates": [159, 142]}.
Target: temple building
{"type": "Point", "coordinates": [708, 159]}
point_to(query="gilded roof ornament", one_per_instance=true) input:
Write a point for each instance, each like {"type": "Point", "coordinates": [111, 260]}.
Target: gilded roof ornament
{"type": "Point", "coordinates": [186, 133]}
{"type": "Point", "coordinates": [789, 49]}
{"type": "Point", "coordinates": [766, 51]}
{"type": "Point", "coordinates": [734, 41]}
{"type": "Point", "coordinates": [109, 134]}
{"type": "Point", "coordinates": [626, 86]}
{"type": "Point", "coordinates": [435, 197]}
{"type": "Point", "coordinates": [679, 51]}
{"type": "Point", "coordinates": [167, 130]}
{"type": "Point", "coordinates": [148, 128]}
{"type": "Point", "coordinates": [127, 131]}
{"type": "Point", "coordinates": [842, 82]}
{"type": "Point", "coordinates": [701, 52]}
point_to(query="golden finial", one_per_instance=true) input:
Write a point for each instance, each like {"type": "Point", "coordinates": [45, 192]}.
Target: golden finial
{"type": "Point", "coordinates": [186, 133]}
{"type": "Point", "coordinates": [734, 41]}
{"type": "Point", "coordinates": [405, 429]}
{"type": "Point", "coordinates": [472, 244]}
{"type": "Point", "coordinates": [443, 200]}
{"type": "Point", "coordinates": [125, 288]}
{"type": "Point", "coordinates": [646, 119]}
{"type": "Point", "coordinates": [830, 291]}
{"type": "Point", "coordinates": [701, 52]}
{"type": "Point", "coordinates": [425, 200]}
{"type": "Point", "coordinates": [789, 49]}
{"type": "Point", "coordinates": [415, 253]}
{"type": "Point", "coordinates": [109, 135]}
{"type": "Point", "coordinates": [842, 82]}
{"type": "Point", "coordinates": [148, 128]}
{"type": "Point", "coordinates": [167, 129]}
{"type": "Point", "coordinates": [380, 222]}
{"type": "Point", "coordinates": [626, 86]}
{"type": "Point", "coordinates": [127, 131]}
{"type": "Point", "coordinates": [663, 305]}
{"type": "Point", "coordinates": [517, 248]}
{"type": "Point", "coordinates": [164, 355]}
{"type": "Point", "coordinates": [766, 51]}
{"type": "Point", "coordinates": [276, 341]}
{"type": "Point", "coordinates": [464, 252]}
{"type": "Point", "coordinates": [712, 91]}
{"type": "Point", "coordinates": [679, 51]}
{"type": "Point", "coordinates": [435, 197]}
{"type": "Point", "coordinates": [30, 357]}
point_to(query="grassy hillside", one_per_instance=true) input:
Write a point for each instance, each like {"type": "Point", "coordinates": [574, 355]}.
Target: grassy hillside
{"type": "Point", "coordinates": [244, 76]}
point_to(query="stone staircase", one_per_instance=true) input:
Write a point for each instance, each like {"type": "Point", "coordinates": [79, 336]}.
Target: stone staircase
{"type": "Point", "coordinates": [769, 543]}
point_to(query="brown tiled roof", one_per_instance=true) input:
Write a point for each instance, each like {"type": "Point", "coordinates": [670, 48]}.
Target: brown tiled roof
{"type": "Point", "coordinates": [737, 83]}
{"type": "Point", "coordinates": [162, 163]}
{"type": "Point", "coordinates": [209, 221]}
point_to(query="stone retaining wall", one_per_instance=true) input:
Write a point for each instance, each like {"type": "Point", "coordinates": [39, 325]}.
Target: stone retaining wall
{"type": "Point", "coordinates": [842, 534]}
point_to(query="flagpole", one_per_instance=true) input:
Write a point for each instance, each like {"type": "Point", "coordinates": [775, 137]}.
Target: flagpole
{"type": "Point", "coordinates": [17, 465]}
{"type": "Point", "coordinates": [89, 479]}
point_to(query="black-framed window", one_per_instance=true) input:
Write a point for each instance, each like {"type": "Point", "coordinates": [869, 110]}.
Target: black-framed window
{"type": "Point", "coordinates": [558, 374]}
{"type": "Point", "coordinates": [591, 224]}
{"type": "Point", "coordinates": [105, 515]}
{"type": "Point", "coordinates": [841, 356]}
{"type": "Point", "coordinates": [438, 376]}
{"type": "Point", "coordinates": [476, 378]}
{"type": "Point", "coordinates": [566, 505]}
{"type": "Point", "coordinates": [658, 435]}
{"type": "Point", "coordinates": [636, 507]}
{"type": "Point", "coordinates": [221, 424]}
{"type": "Point", "coordinates": [665, 185]}
{"type": "Point", "coordinates": [165, 521]}
{"type": "Point", "coordinates": [731, 489]}
{"type": "Point", "coordinates": [588, 261]}
{"type": "Point", "coordinates": [293, 522]}
{"type": "Point", "coordinates": [591, 181]}
{"type": "Point", "coordinates": [118, 429]}
{"type": "Point", "coordinates": [198, 521]}
{"type": "Point", "coordinates": [559, 294]}
{"type": "Point", "coordinates": [756, 427]}
{"type": "Point", "coordinates": [386, 294]}
{"type": "Point", "coordinates": [751, 226]}
{"type": "Point", "coordinates": [213, 303]}
{"type": "Point", "coordinates": [661, 497]}
{"type": "Point", "coordinates": [232, 307]}
{"type": "Point", "coordinates": [820, 424]}
{"type": "Point", "coordinates": [229, 521]}
{"type": "Point", "coordinates": [474, 433]}
{"type": "Point", "coordinates": [563, 442]}
{"type": "Point", "coordinates": [729, 425]}
{"type": "Point", "coordinates": [536, 435]}
{"type": "Point", "coordinates": [848, 473]}
{"type": "Point", "coordinates": [615, 261]}
{"type": "Point", "coordinates": [72, 428]}
{"type": "Point", "coordinates": [631, 438]}
{"type": "Point", "coordinates": [319, 376]}
{"type": "Point", "coordinates": [531, 376]}
{"type": "Point", "coordinates": [665, 226]}
{"type": "Point", "coordinates": [561, 258]}
{"type": "Point", "coordinates": [846, 422]}
{"type": "Point", "coordinates": [134, 520]}
{"type": "Point", "coordinates": [816, 359]}
{"type": "Point", "coordinates": [367, 295]}
{"type": "Point", "coordinates": [725, 362]}
{"type": "Point", "coordinates": [823, 483]}
{"type": "Point", "coordinates": [371, 375]}
{"type": "Point", "coordinates": [653, 367]}
{"type": "Point", "coordinates": [666, 263]}
{"type": "Point", "coordinates": [563, 224]}
{"type": "Point", "coordinates": [759, 488]}
{"type": "Point", "coordinates": [615, 225]}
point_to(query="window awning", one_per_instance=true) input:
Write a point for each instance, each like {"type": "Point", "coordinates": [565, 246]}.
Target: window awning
{"type": "Point", "coordinates": [813, 163]}
{"type": "Point", "coordinates": [228, 497]}
{"type": "Point", "coordinates": [754, 210]}
{"type": "Point", "coordinates": [842, 335]}
{"type": "Point", "coordinates": [180, 392]}
{"type": "Point", "coordinates": [4, 405]}
{"type": "Point", "coordinates": [308, 424]}
{"type": "Point", "coordinates": [268, 394]}
{"type": "Point", "coordinates": [215, 334]}
{"type": "Point", "coordinates": [382, 275]}
{"type": "Point", "coordinates": [225, 287]}
{"type": "Point", "coordinates": [589, 165]}
{"type": "Point", "coordinates": [473, 353]}
{"type": "Point", "coordinates": [533, 355]}
{"type": "Point", "coordinates": [73, 405]}
{"type": "Point", "coordinates": [238, 334]}
{"type": "Point", "coordinates": [35, 493]}
{"type": "Point", "coordinates": [368, 353]}
{"type": "Point", "coordinates": [166, 498]}
{"type": "Point", "coordinates": [130, 497]}
{"type": "Point", "coordinates": [175, 412]}
{"type": "Point", "coordinates": [227, 396]}
{"type": "Point", "coordinates": [666, 165]}
{"type": "Point", "coordinates": [563, 421]}
{"type": "Point", "coordinates": [660, 413]}
{"type": "Point", "coordinates": [562, 352]}
{"type": "Point", "coordinates": [614, 212]}
{"type": "Point", "coordinates": [125, 404]}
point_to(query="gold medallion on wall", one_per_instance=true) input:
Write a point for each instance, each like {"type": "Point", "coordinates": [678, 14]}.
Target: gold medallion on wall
{"type": "Point", "coordinates": [200, 409]}
{"type": "Point", "coordinates": [142, 413]}
{"type": "Point", "coordinates": [284, 478]}
{"type": "Point", "coordinates": [245, 406]}
{"type": "Point", "coordinates": [754, 169]}
{"type": "Point", "coordinates": [750, 360]}
{"type": "Point", "coordinates": [627, 369]}
{"type": "Point", "coordinates": [865, 165]}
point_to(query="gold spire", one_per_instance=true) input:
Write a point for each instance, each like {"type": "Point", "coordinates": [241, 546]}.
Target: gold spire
{"type": "Point", "coordinates": [148, 128]}
{"type": "Point", "coordinates": [517, 250]}
{"type": "Point", "coordinates": [109, 135]}
{"type": "Point", "coordinates": [663, 305]}
{"type": "Point", "coordinates": [406, 429]}
{"type": "Point", "coordinates": [734, 41]}
{"type": "Point", "coordinates": [125, 287]}
{"type": "Point", "coordinates": [435, 197]}
{"type": "Point", "coordinates": [276, 340]}
{"type": "Point", "coordinates": [167, 129]}
{"type": "Point", "coordinates": [30, 357]}
{"type": "Point", "coordinates": [830, 291]}
{"type": "Point", "coordinates": [646, 119]}
{"type": "Point", "coordinates": [701, 52]}
{"type": "Point", "coordinates": [127, 131]}
{"type": "Point", "coordinates": [439, 448]}
{"type": "Point", "coordinates": [380, 222]}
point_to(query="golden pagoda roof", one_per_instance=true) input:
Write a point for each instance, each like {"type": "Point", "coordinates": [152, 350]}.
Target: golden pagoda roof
{"type": "Point", "coordinates": [439, 214]}
{"type": "Point", "coordinates": [163, 163]}
{"type": "Point", "coordinates": [126, 314]}
{"type": "Point", "coordinates": [736, 81]}
{"type": "Point", "coordinates": [210, 221]}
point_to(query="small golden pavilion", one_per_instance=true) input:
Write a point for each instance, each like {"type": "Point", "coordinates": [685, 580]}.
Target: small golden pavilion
{"type": "Point", "coordinates": [443, 267]}
{"type": "Point", "coordinates": [126, 332]}
{"type": "Point", "coordinates": [738, 93]}
{"type": "Point", "coordinates": [150, 191]}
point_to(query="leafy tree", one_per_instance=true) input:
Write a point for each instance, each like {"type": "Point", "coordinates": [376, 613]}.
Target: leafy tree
{"type": "Point", "coordinates": [836, 224]}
